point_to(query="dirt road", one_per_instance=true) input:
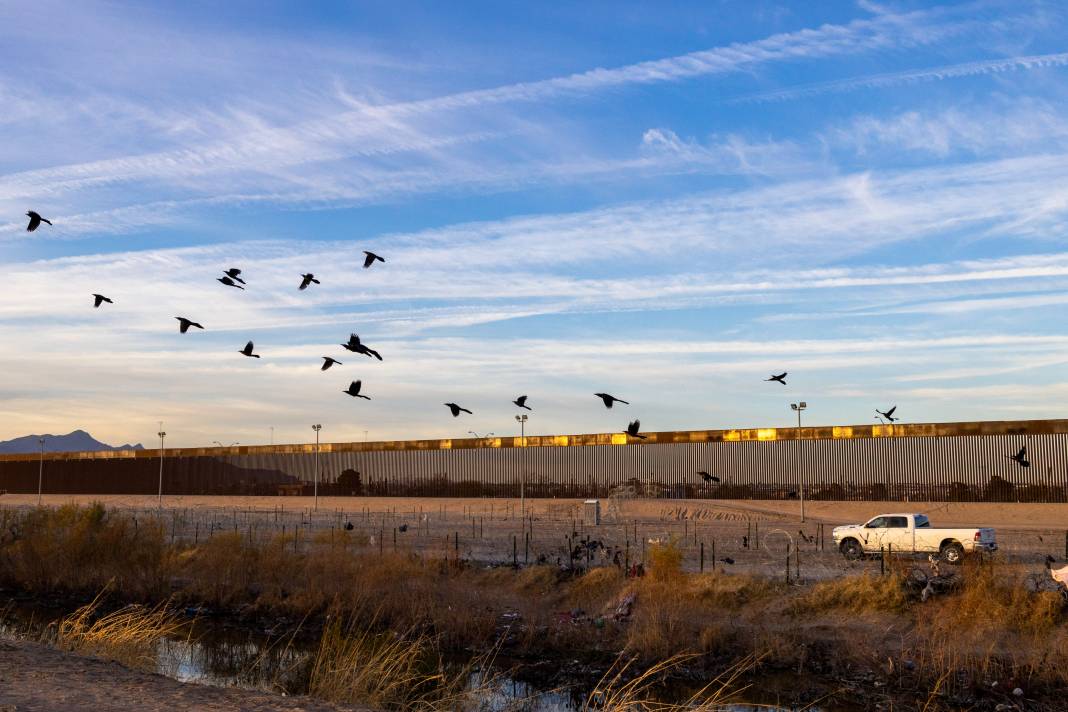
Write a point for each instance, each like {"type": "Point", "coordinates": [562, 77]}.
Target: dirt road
{"type": "Point", "coordinates": [36, 678]}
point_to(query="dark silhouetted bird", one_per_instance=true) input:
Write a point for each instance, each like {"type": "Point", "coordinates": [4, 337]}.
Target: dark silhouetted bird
{"type": "Point", "coordinates": [1020, 458]}
{"type": "Point", "coordinates": [307, 279]}
{"type": "Point", "coordinates": [521, 402]}
{"type": "Point", "coordinates": [356, 346]}
{"type": "Point", "coordinates": [456, 410]}
{"type": "Point", "coordinates": [370, 259]}
{"type": "Point", "coordinates": [889, 415]}
{"type": "Point", "coordinates": [99, 299]}
{"type": "Point", "coordinates": [727, 560]}
{"type": "Point", "coordinates": [354, 390]}
{"type": "Point", "coordinates": [235, 274]}
{"type": "Point", "coordinates": [781, 378]}
{"type": "Point", "coordinates": [632, 429]}
{"type": "Point", "coordinates": [35, 221]}
{"type": "Point", "coordinates": [1050, 560]}
{"type": "Point", "coordinates": [247, 351]}
{"type": "Point", "coordinates": [402, 528]}
{"type": "Point", "coordinates": [229, 282]}
{"type": "Point", "coordinates": [804, 537]}
{"type": "Point", "coordinates": [349, 527]}
{"type": "Point", "coordinates": [328, 362]}
{"type": "Point", "coordinates": [184, 324]}
{"type": "Point", "coordinates": [609, 400]}
{"type": "Point", "coordinates": [707, 477]}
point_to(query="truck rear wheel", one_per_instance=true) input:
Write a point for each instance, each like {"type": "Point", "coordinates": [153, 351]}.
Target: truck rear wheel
{"type": "Point", "coordinates": [952, 553]}
{"type": "Point", "coordinates": [851, 549]}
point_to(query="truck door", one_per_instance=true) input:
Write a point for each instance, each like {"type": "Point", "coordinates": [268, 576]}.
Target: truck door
{"type": "Point", "coordinates": [898, 534]}
{"type": "Point", "coordinates": [874, 534]}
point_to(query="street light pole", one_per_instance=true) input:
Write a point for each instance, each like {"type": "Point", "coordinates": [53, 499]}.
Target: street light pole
{"type": "Point", "coordinates": [317, 427]}
{"type": "Point", "coordinates": [40, 471]}
{"type": "Point", "coordinates": [798, 408]}
{"type": "Point", "coordinates": [522, 419]}
{"type": "Point", "coordinates": [162, 435]}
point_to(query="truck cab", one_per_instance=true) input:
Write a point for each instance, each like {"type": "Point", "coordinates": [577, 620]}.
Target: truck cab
{"type": "Point", "coordinates": [911, 533]}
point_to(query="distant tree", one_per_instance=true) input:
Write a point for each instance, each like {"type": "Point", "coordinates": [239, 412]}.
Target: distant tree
{"type": "Point", "coordinates": [998, 489]}
{"type": "Point", "coordinates": [350, 481]}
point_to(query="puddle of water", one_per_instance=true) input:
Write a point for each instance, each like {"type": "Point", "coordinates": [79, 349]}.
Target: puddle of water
{"type": "Point", "coordinates": [211, 654]}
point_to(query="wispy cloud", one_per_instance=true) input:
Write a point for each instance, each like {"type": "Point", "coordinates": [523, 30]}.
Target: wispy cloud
{"type": "Point", "coordinates": [931, 74]}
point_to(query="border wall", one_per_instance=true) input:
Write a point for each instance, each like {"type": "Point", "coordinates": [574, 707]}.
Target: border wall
{"type": "Point", "coordinates": [916, 461]}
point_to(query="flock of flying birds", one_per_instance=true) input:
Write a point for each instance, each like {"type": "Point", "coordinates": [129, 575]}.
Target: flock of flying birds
{"type": "Point", "coordinates": [232, 278]}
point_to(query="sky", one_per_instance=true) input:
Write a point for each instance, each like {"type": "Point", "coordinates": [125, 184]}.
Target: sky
{"type": "Point", "coordinates": [667, 202]}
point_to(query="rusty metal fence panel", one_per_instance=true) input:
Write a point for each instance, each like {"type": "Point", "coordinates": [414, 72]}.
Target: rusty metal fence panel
{"type": "Point", "coordinates": [925, 461]}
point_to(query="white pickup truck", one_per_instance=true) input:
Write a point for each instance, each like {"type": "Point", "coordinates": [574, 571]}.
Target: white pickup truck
{"type": "Point", "coordinates": [911, 533]}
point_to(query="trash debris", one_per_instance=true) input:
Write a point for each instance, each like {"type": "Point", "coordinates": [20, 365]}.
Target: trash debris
{"type": "Point", "coordinates": [624, 607]}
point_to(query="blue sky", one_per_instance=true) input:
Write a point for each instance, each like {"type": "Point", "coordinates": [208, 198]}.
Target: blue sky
{"type": "Point", "coordinates": [666, 202]}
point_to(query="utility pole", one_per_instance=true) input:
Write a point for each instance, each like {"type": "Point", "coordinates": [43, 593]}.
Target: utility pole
{"type": "Point", "coordinates": [522, 420]}
{"type": "Point", "coordinates": [317, 427]}
{"type": "Point", "coordinates": [40, 471]}
{"type": "Point", "coordinates": [162, 435]}
{"type": "Point", "coordinates": [798, 408]}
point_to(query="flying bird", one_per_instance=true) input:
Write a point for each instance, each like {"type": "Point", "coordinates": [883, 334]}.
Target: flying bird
{"type": "Point", "coordinates": [632, 429]}
{"type": "Point", "coordinates": [234, 274]}
{"type": "Point", "coordinates": [247, 351]}
{"type": "Point", "coordinates": [370, 259]}
{"type": "Point", "coordinates": [229, 282]}
{"type": "Point", "coordinates": [707, 477]}
{"type": "Point", "coordinates": [35, 221]}
{"type": "Point", "coordinates": [99, 299]}
{"type": "Point", "coordinates": [1020, 458]}
{"type": "Point", "coordinates": [727, 560]}
{"type": "Point", "coordinates": [184, 324]}
{"type": "Point", "coordinates": [328, 362]}
{"type": "Point", "coordinates": [402, 528]}
{"type": "Point", "coordinates": [456, 410]}
{"type": "Point", "coordinates": [354, 390]}
{"type": "Point", "coordinates": [521, 402]}
{"type": "Point", "coordinates": [356, 346]}
{"type": "Point", "coordinates": [609, 400]}
{"type": "Point", "coordinates": [889, 415]}
{"type": "Point", "coordinates": [781, 378]}
{"type": "Point", "coordinates": [307, 279]}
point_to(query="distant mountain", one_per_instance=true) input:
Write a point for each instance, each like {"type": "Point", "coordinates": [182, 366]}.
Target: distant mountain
{"type": "Point", "coordinates": [78, 441]}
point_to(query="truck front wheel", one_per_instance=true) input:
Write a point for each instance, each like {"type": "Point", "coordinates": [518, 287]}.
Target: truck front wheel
{"type": "Point", "coordinates": [851, 549]}
{"type": "Point", "coordinates": [952, 553]}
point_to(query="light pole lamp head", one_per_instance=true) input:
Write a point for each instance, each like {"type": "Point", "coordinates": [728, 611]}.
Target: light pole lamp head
{"type": "Point", "coordinates": [317, 427]}
{"type": "Point", "coordinates": [521, 418]}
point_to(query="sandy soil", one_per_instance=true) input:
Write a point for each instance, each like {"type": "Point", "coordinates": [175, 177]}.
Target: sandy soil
{"type": "Point", "coordinates": [754, 535]}
{"type": "Point", "coordinates": [1005, 515]}
{"type": "Point", "coordinates": [36, 678]}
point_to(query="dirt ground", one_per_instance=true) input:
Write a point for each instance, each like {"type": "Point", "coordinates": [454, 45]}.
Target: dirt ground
{"type": "Point", "coordinates": [37, 678]}
{"type": "Point", "coordinates": [993, 514]}
{"type": "Point", "coordinates": [755, 536]}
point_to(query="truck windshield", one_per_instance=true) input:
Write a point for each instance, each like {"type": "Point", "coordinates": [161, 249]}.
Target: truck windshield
{"type": "Point", "coordinates": [922, 521]}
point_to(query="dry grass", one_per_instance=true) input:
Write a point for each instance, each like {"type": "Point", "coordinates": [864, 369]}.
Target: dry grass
{"type": "Point", "coordinates": [128, 635]}
{"type": "Point", "coordinates": [858, 594]}
{"type": "Point", "coordinates": [619, 691]}
{"type": "Point", "coordinates": [992, 628]}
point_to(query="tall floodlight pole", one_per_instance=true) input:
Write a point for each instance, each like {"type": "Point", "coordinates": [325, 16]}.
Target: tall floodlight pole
{"type": "Point", "coordinates": [798, 408]}
{"type": "Point", "coordinates": [522, 420]}
{"type": "Point", "coordinates": [317, 427]}
{"type": "Point", "coordinates": [161, 435]}
{"type": "Point", "coordinates": [40, 471]}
